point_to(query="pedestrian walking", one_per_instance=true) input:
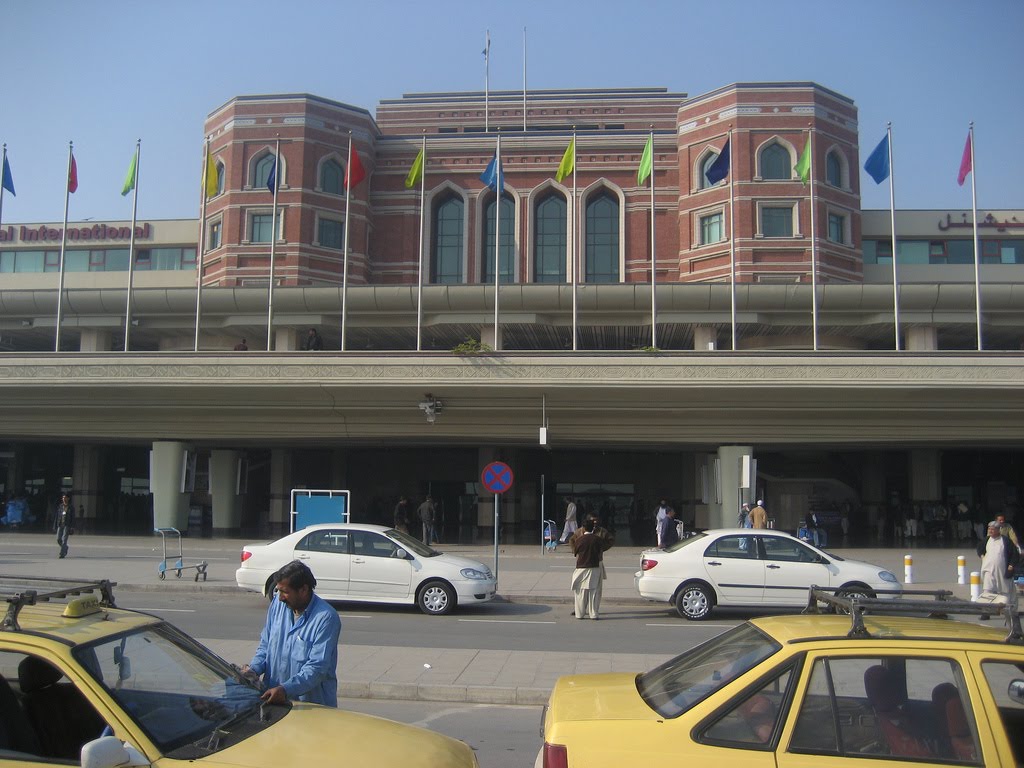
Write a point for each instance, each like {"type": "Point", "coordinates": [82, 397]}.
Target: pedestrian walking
{"type": "Point", "coordinates": [758, 516]}
{"type": "Point", "coordinates": [659, 515]}
{"type": "Point", "coordinates": [669, 532]}
{"type": "Point", "coordinates": [402, 515]}
{"type": "Point", "coordinates": [298, 651]}
{"type": "Point", "coordinates": [428, 515]}
{"type": "Point", "coordinates": [63, 523]}
{"type": "Point", "coordinates": [570, 521]}
{"type": "Point", "coordinates": [589, 544]}
{"type": "Point", "coordinates": [998, 562]}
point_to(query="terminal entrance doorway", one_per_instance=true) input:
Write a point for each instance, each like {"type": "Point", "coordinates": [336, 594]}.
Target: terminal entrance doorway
{"type": "Point", "coordinates": [615, 505]}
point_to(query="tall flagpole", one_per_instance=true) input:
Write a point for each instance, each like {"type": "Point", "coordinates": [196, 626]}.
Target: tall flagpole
{"type": "Point", "coordinates": [419, 270]}
{"type": "Point", "coordinates": [977, 250]}
{"type": "Point", "coordinates": [572, 243]}
{"type": "Point", "coordinates": [202, 244]}
{"type": "Point", "coordinates": [524, 80]}
{"type": "Point", "coordinates": [654, 258]}
{"type": "Point", "coordinates": [3, 165]}
{"type": "Point", "coordinates": [273, 242]}
{"type": "Point", "coordinates": [732, 241]}
{"type": "Point", "coordinates": [892, 220]}
{"type": "Point", "coordinates": [487, 80]}
{"type": "Point", "coordinates": [344, 273]}
{"type": "Point", "coordinates": [814, 248]}
{"type": "Point", "coordinates": [63, 244]}
{"type": "Point", "coordinates": [499, 189]}
{"type": "Point", "coordinates": [131, 244]}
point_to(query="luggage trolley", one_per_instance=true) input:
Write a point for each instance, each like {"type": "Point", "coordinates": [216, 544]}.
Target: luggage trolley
{"type": "Point", "coordinates": [179, 565]}
{"type": "Point", "coordinates": [550, 536]}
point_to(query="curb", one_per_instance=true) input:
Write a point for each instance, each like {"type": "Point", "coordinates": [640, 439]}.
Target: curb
{"type": "Point", "coordinates": [468, 694]}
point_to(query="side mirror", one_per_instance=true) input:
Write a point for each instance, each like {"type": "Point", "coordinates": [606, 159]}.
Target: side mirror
{"type": "Point", "coordinates": [1015, 691]}
{"type": "Point", "coordinates": [401, 554]}
{"type": "Point", "coordinates": [109, 752]}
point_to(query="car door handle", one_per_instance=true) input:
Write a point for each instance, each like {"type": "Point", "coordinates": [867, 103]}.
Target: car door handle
{"type": "Point", "coordinates": [773, 567]}
{"type": "Point", "coordinates": [714, 562]}
{"type": "Point", "coordinates": [302, 557]}
{"type": "Point", "coordinates": [358, 560]}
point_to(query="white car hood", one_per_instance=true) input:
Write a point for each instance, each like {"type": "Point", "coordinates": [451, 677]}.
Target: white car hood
{"type": "Point", "coordinates": [455, 561]}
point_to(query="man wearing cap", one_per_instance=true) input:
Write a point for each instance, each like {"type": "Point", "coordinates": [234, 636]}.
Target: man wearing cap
{"type": "Point", "coordinates": [998, 561]}
{"type": "Point", "coordinates": [758, 516]}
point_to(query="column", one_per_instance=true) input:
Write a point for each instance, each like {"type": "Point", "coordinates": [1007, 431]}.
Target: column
{"type": "Point", "coordinates": [170, 505]}
{"type": "Point", "coordinates": [705, 338]}
{"type": "Point", "coordinates": [279, 515]}
{"type": "Point", "coordinates": [730, 466]}
{"type": "Point", "coordinates": [285, 340]}
{"type": "Point", "coordinates": [925, 475]}
{"type": "Point", "coordinates": [921, 338]}
{"type": "Point", "coordinates": [873, 502]}
{"type": "Point", "coordinates": [86, 493]}
{"type": "Point", "coordinates": [227, 509]}
{"type": "Point", "coordinates": [94, 340]}
{"type": "Point", "coordinates": [487, 337]}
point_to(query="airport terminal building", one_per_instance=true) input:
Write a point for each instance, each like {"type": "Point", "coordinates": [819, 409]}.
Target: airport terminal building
{"type": "Point", "coordinates": [771, 351]}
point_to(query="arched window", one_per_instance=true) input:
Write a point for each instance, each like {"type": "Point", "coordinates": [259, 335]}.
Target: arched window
{"type": "Point", "coordinates": [707, 163]}
{"type": "Point", "coordinates": [602, 247]}
{"type": "Point", "coordinates": [331, 177]}
{"type": "Point", "coordinates": [220, 178]}
{"type": "Point", "coordinates": [508, 241]}
{"type": "Point", "coordinates": [263, 167]}
{"type": "Point", "coordinates": [775, 162]}
{"type": "Point", "coordinates": [446, 250]}
{"type": "Point", "coordinates": [549, 240]}
{"type": "Point", "coordinates": [834, 169]}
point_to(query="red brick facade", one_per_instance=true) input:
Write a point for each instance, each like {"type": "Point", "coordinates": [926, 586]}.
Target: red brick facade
{"type": "Point", "coordinates": [612, 127]}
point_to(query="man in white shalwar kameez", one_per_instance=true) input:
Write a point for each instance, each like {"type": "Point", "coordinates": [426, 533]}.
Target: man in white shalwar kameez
{"type": "Point", "coordinates": [998, 561]}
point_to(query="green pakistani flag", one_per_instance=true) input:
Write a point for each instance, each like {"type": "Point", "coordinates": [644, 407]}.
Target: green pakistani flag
{"type": "Point", "coordinates": [646, 161]}
{"type": "Point", "coordinates": [568, 163]}
{"type": "Point", "coordinates": [803, 167]}
{"type": "Point", "coordinates": [129, 180]}
{"type": "Point", "coordinates": [416, 172]}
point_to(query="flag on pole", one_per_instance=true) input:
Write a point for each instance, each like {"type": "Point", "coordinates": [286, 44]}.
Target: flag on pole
{"type": "Point", "coordinates": [210, 176]}
{"type": "Point", "coordinates": [129, 180]}
{"type": "Point", "coordinates": [568, 164]}
{"type": "Point", "coordinates": [965, 162]}
{"type": "Point", "coordinates": [8, 180]}
{"type": "Point", "coordinates": [73, 176]}
{"type": "Point", "coordinates": [416, 172]}
{"type": "Point", "coordinates": [720, 168]}
{"type": "Point", "coordinates": [494, 176]}
{"type": "Point", "coordinates": [877, 164]}
{"type": "Point", "coordinates": [355, 172]}
{"type": "Point", "coordinates": [272, 177]}
{"type": "Point", "coordinates": [803, 166]}
{"type": "Point", "coordinates": [646, 161]}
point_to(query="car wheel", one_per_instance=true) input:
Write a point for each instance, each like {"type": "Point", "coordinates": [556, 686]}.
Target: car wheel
{"type": "Point", "coordinates": [436, 598]}
{"type": "Point", "coordinates": [693, 602]}
{"type": "Point", "coordinates": [853, 591]}
{"type": "Point", "coordinates": [268, 590]}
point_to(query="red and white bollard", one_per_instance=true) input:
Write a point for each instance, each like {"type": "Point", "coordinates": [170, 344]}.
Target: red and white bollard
{"type": "Point", "coordinates": [975, 586]}
{"type": "Point", "coordinates": [908, 569]}
{"type": "Point", "coordinates": [961, 569]}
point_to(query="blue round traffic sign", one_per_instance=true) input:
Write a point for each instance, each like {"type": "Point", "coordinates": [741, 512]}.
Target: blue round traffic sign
{"type": "Point", "coordinates": [497, 477]}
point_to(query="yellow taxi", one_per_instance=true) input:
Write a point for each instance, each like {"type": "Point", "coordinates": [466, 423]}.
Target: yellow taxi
{"type": "Point", "coordinates": [811, 690]}
{"type": "Point", "coordinates": [83, 682]}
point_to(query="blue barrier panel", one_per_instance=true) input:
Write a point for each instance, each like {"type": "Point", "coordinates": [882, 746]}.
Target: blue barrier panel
{"type": "Point", "coordinates": [313, 510]}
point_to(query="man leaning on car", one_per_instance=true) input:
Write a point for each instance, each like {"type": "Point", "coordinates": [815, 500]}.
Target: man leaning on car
{"type": "Point", "coordinates": [298, 651]}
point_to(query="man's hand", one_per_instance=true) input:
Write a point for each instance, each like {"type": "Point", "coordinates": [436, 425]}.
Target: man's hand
{"type": "Point", "coordinates": [248, 673]}
{"type": "Point", "coordinates": [275, 695]}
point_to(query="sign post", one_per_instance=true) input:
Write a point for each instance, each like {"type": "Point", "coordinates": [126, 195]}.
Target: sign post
{"type": "Point", "coordinates": [496, 478]}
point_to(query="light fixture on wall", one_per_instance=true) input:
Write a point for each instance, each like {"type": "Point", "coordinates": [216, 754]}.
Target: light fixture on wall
{"type": "Point", "coordinates": [431, 407]}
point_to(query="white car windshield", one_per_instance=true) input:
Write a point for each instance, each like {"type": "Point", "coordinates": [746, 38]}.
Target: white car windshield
{"type": "Point", "coordinates": [411, 544]}
{"type": "Point", "coordinates": [680, 683]}
{"type": "Point", "coordinates": [189, 702]}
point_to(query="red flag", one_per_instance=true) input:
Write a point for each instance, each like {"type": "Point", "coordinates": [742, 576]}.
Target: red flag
{"type": "Point", "coordinates": [73, 176]}
{"type": "Point", "coordinates": [965, 162]}
{"type": "Point", "coordinates": [354, 173]}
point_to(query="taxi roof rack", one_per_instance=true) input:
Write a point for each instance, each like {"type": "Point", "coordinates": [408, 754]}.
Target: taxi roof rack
{"type": "Point", "coordinates": [941, 606]}
{"type": "Point", "coordinates": [20, 591]}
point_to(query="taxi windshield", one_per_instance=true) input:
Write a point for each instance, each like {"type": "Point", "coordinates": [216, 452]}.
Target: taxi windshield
{"type": "Point", "coordinates": [680, 683]}
{"type": "Point", "coordinates": [189, 702]}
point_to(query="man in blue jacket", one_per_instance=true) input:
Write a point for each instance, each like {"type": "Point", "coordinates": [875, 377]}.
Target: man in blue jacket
{"type": "Point", "coordinates": [298, 651]}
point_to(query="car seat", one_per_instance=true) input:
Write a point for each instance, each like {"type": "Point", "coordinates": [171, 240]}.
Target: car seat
{"type": "Point", "coordinates": [62, 717]}
{"type": "Point", "coordinates": [952, 719]}
{"type": "Point", "coordinates": [886, 699]}
{"type": "Point", "coordinates": [16, 731]}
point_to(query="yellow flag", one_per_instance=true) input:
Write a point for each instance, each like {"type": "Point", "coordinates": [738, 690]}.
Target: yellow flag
{"type": "Point", "coordinates": [416, 172]}
{"type": "Point", "coordinates": [568, 162]}
{"type": "Point", "coordinates": [210, 177]}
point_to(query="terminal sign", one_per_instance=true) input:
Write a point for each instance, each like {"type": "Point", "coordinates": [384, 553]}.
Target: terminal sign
{"type": "Point", "coordinates": [497, 477]}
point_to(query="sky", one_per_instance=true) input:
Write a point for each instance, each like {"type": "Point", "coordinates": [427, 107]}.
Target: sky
{"type": "Point", "coordinates": [107, 72]}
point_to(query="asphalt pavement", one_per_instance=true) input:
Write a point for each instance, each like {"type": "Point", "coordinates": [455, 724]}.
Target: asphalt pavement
{"type": "Point", "coordinates": [526, 573]}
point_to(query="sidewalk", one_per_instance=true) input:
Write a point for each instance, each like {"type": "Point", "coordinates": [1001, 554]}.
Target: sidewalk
{"type": "Point", "coordinates": [525, 574]}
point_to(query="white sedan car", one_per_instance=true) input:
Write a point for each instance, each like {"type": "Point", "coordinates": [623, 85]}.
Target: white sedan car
{"type": "Point", "coordinates": [370, 564]}
{"type": "Point", "coordinates": [747, 567]}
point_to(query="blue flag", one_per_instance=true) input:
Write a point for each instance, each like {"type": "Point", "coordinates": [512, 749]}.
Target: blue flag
{"type": "Point", "coordinates": [494, 176]}
{"type": "Point", "coordinates": [272, 177]}
{"type": "Point", "coordinates": [8, 182]}
{"type": "Point", "coordinates": [720, 168]}
{"type": "Point", "coordinates": [877, 164]}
